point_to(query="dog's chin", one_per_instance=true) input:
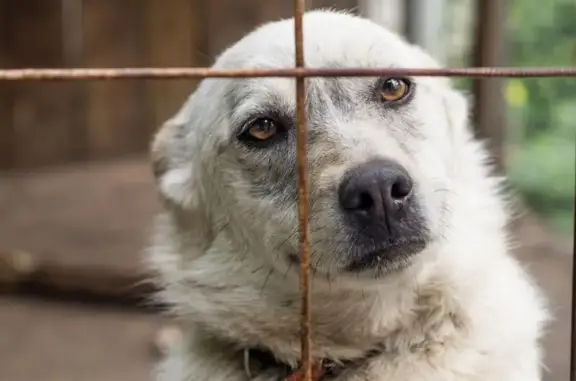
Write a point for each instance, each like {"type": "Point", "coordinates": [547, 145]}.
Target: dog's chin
{"type": "Point", "coordinates": [373, 262]}
{"type": "Point", "coordinates": [381, 262]}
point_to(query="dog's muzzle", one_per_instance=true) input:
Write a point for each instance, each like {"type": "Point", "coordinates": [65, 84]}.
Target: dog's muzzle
{"type": "Point", "coordinates": [375, 192]}
{"type": "Point", "coordinates": [380, 210]}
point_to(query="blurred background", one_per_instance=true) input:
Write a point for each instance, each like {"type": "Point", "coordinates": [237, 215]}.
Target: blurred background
{"type": "Point", "coordinates": [76, 193]}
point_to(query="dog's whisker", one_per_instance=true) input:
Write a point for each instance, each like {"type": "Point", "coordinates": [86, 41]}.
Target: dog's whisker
{"type": "Point", "coordinates": [444, 190]}
{"type": "Point", "coordinates": [266, 280]}
{"type": "Point", "coordinates": [289, 237]}
{"type": "Point", "coordinates": [258, 269]}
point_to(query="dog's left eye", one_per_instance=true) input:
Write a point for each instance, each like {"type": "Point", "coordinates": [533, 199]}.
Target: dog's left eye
{"type": "Point", "coordinates": [394, 89]}
{"type": "Point", "coordinates": [261, 131]}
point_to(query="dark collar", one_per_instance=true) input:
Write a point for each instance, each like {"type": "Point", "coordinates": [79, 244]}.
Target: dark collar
{"type": "Point", "coordinates": [257, 360]}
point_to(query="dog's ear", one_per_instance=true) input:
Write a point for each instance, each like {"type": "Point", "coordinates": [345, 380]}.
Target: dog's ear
{"type": "Point", "coordinates": [457, 109]}
{"type": "Point", "coordinates": [455, 104]}
{"type": "Point", "coordinates": [458, 117]}
{"type": "Point", "coordinates": [177, 169]}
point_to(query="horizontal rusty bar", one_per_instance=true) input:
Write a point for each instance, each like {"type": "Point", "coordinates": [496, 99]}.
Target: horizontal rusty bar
{"type": "Point", "coordinates": [181, 73]}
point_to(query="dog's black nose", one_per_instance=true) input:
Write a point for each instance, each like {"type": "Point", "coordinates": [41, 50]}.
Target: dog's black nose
{"type": "Point", "coordinates": [375, 190]}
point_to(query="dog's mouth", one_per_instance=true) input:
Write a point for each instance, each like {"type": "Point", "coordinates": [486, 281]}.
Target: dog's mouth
{"type": "Point", "coordinates": [394, 255]}
{"type": "Point", "coordinates": [383, 259]}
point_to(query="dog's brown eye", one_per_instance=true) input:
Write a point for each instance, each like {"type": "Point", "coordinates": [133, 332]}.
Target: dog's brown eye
{"type": "Point", "coordinates": [263, 132]}
{"type": "Point", "coordinates": [394, 89]}
{"type": "Point", "coordinates": [262, 129]}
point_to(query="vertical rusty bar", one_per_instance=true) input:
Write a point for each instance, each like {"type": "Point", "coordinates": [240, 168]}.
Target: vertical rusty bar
{"type": "Point", "coordinates": [301, 149]}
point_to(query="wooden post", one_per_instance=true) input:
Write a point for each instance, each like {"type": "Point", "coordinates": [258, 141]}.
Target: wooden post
{"type": "Point", "coordinates": [489, 104]}
{"type": "Point", "coordinates": [73, 56]}
{"type": "Point", "coordinates": [6, 127]}
{"type": "Point", "coordinates": [224, 28]}
{"type": "Point", "coordinates": [117, 114]}
{"type": "Point", "coordinates": [175, 36]}
{"type": "Point", "coordinates": [423, 24]}
{"type": "Point", "coordinates": [35, 118]}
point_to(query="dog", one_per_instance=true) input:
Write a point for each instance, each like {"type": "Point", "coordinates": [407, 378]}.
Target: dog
{"type": "Point", "coordinates": [412, 276]}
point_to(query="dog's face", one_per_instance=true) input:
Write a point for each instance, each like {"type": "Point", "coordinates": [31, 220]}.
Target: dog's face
{"type": "Point", "coordinates": [381, 151]}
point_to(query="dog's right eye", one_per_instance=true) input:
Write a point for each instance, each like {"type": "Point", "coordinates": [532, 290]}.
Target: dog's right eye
{"type": "Point", "coordinates": [394, 89]}
{"type": "Point", "coordinates": [261, 131]}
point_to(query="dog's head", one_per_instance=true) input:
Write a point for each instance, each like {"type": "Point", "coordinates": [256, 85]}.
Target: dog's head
{"type": "Point", "coordinates": [382, 152]}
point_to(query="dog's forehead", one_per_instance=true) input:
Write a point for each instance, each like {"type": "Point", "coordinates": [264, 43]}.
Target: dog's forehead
{"type": "Point", "coordinates": [252, 94]}
{"type": "Point", "coordinates": [331, 39]}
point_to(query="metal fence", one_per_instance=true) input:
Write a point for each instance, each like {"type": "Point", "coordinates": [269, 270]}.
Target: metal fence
{"type": "Point", "coordinates": [300, 72]}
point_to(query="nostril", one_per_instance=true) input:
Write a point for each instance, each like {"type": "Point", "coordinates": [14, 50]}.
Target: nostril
{"type": "Point", "coordinates": [401, 188]}
{"type": "Point", "coordinates": [361, 201]}
{"type": "Point", "coordinates": [365, 201]}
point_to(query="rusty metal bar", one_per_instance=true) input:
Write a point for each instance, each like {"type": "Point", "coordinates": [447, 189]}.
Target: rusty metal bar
{"type": "Point", "coordinates": [180, 73]}
{"type": "Point", "coordinates": [303, 202]}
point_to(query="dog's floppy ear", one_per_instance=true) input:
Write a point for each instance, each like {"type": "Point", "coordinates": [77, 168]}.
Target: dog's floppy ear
{"type": "Point", "coordinates": [457, 113]}
{"type": "Point", "coordinates": [175, 170]}
{"type": "Point", "coordinates": [178, 172]}
{"type": "Point", "coordinates": [457, 109]}
{"type": "Point", "coordinates": [455, 104]}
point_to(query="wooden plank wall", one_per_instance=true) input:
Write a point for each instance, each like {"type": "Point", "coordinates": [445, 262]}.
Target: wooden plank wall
{"type": "Point", "coordinates": [241, 16]}
{"type": "Point", "coordinates": [35, 122]}
{"type": "Point", "coordinates": [5, 102]}
{"type": "Point", "coordinates": [54, 123]}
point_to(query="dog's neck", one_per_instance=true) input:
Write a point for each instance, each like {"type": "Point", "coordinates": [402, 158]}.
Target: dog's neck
{"type": "Point", "coordinates": [253, 307]}
{"type": "Point", "coordinates": [257, 361]}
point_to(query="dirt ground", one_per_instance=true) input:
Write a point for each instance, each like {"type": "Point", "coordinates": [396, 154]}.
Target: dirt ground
{"type": "Point", "coordinates": [99, 214]}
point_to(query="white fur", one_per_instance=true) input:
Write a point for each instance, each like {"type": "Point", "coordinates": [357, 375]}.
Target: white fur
{"type": "Point", "coordinates": [464, 309]}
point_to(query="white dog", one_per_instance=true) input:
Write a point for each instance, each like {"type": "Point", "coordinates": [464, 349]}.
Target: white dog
{"type": "Point", "coordinates": [412, 275]}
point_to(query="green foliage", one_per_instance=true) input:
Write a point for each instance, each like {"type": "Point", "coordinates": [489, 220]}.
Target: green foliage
{"type": "Point", "coordinates": [543, 170]}
{"type": "Point", "coordinates": [543, 35]}
{"type": "Point", "coordinates": [541, 111]}
{"type": "Point", "coordinates": [542, 159]}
